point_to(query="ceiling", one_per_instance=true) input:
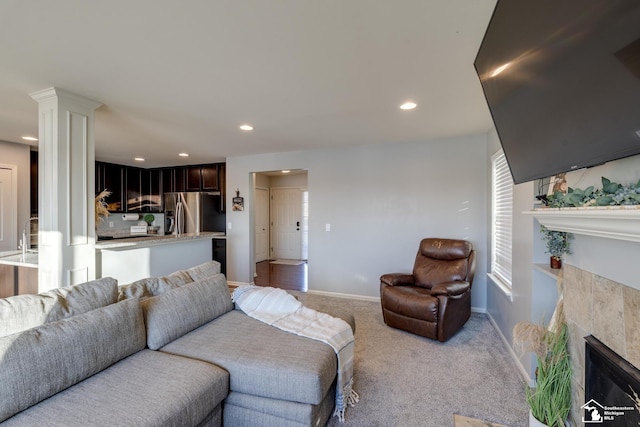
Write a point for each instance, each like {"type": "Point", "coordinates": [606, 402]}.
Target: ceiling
{"type": "Point", "coordinates": [181, 76]}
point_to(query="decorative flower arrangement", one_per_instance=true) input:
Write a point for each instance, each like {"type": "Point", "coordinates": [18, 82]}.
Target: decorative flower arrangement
{"type": "Point", "coordinates": [101, 210]}
{"type": "Point", "coordinates": [611, 194]}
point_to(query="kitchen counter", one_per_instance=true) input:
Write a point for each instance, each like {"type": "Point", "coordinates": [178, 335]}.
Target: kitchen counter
{"type": "Point", "coordinates": [30, 259]}
{"type": "Point", "coordinates": [142, 241]}
{"type": "Point", "coordinates": [18, 273]}
{"type": "Point", "coordinates": [128, 260]}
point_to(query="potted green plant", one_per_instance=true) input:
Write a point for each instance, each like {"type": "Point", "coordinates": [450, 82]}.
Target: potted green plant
{"type": "Point", "coordinates": [550, 400]}
{"type": "Point", "coordinates": [558, 244]}
{"type": "Point", "coordinates": [149, 218]}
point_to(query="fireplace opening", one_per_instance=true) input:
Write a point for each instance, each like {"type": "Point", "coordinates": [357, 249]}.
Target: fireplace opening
{"type": "Point", "coordinates": [610, 384]}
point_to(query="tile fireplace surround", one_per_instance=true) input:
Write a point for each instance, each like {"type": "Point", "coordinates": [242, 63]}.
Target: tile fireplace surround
{"type": "Point", "coordinates": [605, 309]}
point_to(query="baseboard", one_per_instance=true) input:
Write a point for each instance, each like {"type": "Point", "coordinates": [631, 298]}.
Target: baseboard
{"type": "Point", "coordinates": [514, 356]}
{"type": "Point", "coordinates": [479, 310]}
{"type": "Point", "coordinates": [346, 296]}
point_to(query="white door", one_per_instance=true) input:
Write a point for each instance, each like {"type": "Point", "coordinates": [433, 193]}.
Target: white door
{"type": "Point", "coordinates": [262, 224]}
{"type": "Point", "coordinates": [8, 210]}
{"type": "Point", "coordinates": [286, 223]}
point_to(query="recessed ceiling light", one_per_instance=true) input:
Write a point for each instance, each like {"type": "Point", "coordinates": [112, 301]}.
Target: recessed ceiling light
{"type": "Point", "coordinates": [500, 69]}
{"type": "Point", "coordinates": [246, 127]}
{"type": "Point", "coordinates": [286, 171]}
{"type": "Point", "coordinates": [183, 154]}
{"type": "Point", "coordinates": [29, 138]}
{"type": "Point", "coordinates": [408, 105]}
{"type": "Point", "coordinates": [139, 159]}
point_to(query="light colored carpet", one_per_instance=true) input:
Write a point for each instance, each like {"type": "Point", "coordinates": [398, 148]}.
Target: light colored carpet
{"type": "Point", "coordinates": [287, 262]}
{"type": "Point", "coordinates": [406, 380]}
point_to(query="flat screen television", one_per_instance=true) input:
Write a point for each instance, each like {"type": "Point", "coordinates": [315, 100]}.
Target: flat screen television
{"type": "Point", "coordinates": [562, 81]}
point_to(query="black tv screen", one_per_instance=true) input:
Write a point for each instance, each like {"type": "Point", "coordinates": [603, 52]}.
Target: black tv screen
{"type": "Point", "coordinates": [568, 94]}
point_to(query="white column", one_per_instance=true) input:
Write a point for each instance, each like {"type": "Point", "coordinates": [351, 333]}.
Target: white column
{"type": "Point", "coordinates": [66, 222]}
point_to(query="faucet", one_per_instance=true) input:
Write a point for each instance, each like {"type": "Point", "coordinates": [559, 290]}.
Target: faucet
{"type": "Point", "coordinates": [26, 237]}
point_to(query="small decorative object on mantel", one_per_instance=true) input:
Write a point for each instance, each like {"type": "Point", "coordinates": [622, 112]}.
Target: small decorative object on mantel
{"type": "Point", "coordinates": [557, 245]}
{"type": "Point", "coordinates": [238, 202]}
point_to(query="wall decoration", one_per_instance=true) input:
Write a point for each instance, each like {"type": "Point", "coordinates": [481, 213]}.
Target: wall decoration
{"type": "Point", "coordinates": [238, 202]}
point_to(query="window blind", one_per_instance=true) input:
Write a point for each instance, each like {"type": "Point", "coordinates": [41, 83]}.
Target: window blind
{"type": "Point", "coordinates": [502, 218]}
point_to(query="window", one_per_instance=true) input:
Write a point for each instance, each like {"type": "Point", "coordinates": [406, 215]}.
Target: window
{"type": "Point", "coordinates": [502, 218]}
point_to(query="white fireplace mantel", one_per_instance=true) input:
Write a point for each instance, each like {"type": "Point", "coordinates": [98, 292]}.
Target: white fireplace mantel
{"type": "Point", "coordinates": [615, 222]}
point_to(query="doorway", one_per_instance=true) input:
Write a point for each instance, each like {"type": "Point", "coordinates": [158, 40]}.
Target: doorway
{"type": "Point", "coordinates": [280, 218]}
{"type": "Point", "coordinates": [8, 207]}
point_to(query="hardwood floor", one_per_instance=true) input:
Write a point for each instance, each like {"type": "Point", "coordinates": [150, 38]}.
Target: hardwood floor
{"type": "Point", "coordinates": [289, 277]}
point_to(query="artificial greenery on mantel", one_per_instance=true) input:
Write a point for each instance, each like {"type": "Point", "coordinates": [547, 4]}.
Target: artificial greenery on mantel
{"type": "Point", "coordinates": [611, 194]}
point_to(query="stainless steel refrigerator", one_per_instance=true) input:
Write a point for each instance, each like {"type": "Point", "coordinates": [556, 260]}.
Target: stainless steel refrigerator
{"type": "Point", "coordinates": [193, 212]}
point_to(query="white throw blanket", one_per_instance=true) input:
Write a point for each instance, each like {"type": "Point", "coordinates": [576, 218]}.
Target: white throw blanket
{"type": "Point", "coordinates": [282, 310]}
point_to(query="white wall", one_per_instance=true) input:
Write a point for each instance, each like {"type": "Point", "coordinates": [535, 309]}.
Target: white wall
{"type": "Point", "coordinates": [18, 154]}
{"type": "Point", "coordinates": [380, 201]}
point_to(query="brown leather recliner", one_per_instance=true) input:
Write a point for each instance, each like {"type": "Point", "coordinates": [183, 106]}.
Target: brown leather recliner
{"type": "Point", "coordinates": [434, 301]}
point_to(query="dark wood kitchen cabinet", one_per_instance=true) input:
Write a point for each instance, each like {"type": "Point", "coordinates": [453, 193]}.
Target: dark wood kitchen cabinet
{"type": "Point", "coordinates": [150, 196]}
{"type": "Point", "coordinates": [110, 177]}
{"type": "Point", "coordinates": [202, 178]}
{"type": "Point", "coordinates": [133, 200]}
{"type": "Point", "coordinates": [173, 179]}
{"type": "Point", "coordinates": [154, 191]}
{"type": "Point", "coordinates": [33, 178]}
{"type": "Point", "coordinates": [219, 248]}
{"type": "Point", "coordinates": [179, 179]}
{"type": "Point", "coordinates": [18, 280]}
{"type": "Point", "coordinates": [141, 190]}
{"type": "Point", "coordinates": [209, 177]}
{"type": "Point", "coordinates": [194, 180]}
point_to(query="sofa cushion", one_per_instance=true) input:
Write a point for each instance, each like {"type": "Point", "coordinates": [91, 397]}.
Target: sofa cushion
{"type": "Point", "coordinates": [244, 410]}
{"type": "Point", "coordinates": [148, 388]}
{"type": "Point", "coordinates": [40, 362]}
{"type": "Point", "coordinates": [203, 271]}
{"type": "Point", "coordinates": [262, 360]}
{"type": "Point", "coordinates": [22, 312]}
{"type": "Point", "coordinates": [152, 286]}
{"type": "Point", "coordinates": [145, 288]}
{"type": "Point", "coordinates": [89, 295]}
{"type": "Point", "coordinates": [181, 310]}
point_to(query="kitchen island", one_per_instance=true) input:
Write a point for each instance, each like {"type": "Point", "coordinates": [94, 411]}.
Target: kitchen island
{"type": "Point", "coordinates": [135, 258]}
{"type": "Point", "coordinates": [18, 273]}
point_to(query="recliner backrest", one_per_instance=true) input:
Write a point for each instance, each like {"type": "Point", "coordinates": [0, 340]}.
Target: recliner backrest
{"type": "Point", "coordinates": [443, 260]}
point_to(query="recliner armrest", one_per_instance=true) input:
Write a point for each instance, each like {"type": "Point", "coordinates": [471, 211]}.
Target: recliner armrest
{"type": "Point", "coordinates": [396, 279]}
{"type": "Point", "coordinates": [454, 288]}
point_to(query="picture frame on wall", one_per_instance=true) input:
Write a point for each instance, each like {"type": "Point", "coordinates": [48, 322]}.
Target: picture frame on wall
{"type": "Point", "coordinates": [238, 204]}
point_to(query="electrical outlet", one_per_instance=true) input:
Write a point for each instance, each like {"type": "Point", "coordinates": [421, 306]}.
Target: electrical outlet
{"type": "Point", "coordinates": [229, 226]}
{"type": "Point", "coordinates": [110, 224]}
{"type": "Point", "coordinates": [327, 227]}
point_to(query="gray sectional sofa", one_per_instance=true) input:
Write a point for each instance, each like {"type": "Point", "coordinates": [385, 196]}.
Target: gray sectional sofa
{"type": "Point", "coordinates": [169, 351]}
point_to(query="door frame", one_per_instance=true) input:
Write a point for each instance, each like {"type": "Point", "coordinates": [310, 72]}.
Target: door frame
{"type": "Point", "coordinates": [268, 232]}
{"type": "Point", "coordinates": [13, 223]}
